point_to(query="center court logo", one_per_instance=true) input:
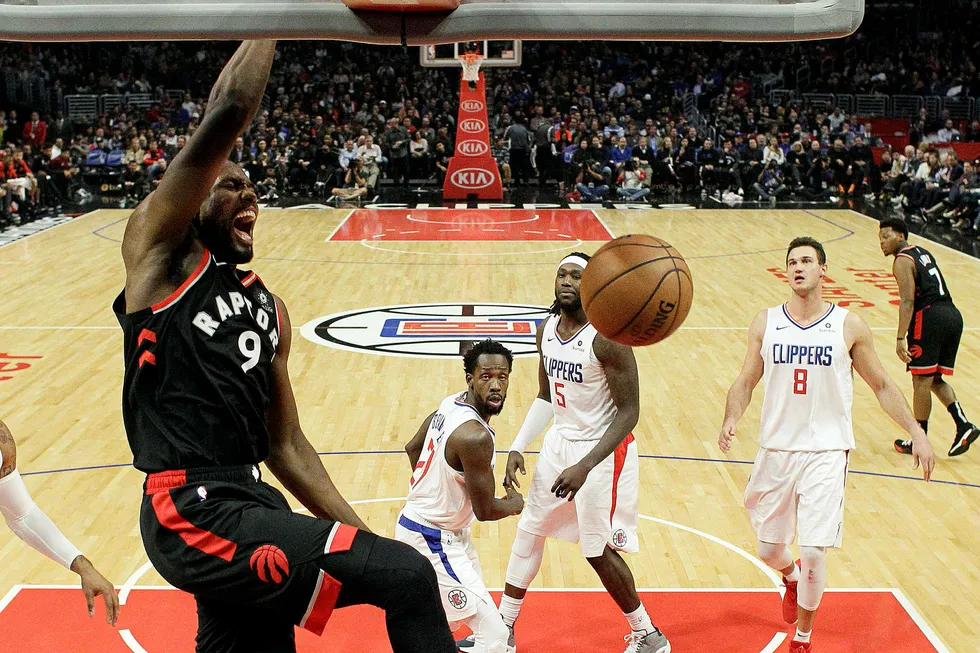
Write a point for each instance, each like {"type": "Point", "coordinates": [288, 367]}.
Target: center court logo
{"type": "Point", "coordinates": [428, 330]}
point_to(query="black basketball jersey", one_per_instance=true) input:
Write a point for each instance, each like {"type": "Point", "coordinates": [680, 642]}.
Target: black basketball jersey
{"type": "Point", "coordinates": [930, 286]}
{"type": "Point", "coordinates": [198, 371]}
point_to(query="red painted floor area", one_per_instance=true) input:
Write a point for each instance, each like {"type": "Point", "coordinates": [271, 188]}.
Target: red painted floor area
{"type": "Point", "coordinates": [164, 621]}
{"type": "Point", "coordinates": [471, 224]}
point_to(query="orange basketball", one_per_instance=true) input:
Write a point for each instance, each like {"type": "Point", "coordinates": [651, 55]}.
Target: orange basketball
{"type": "Point", "coordinates": [637, 290]}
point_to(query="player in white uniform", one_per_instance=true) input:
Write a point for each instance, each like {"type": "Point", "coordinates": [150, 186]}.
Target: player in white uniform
{"type": "Point", "coordinates": [805, 350]}
{"type": "Point", "coordinates": [452, 483]}
{"type": "Point", "coordinates": [30, 524]}
{"type": "Point", "coordinates": [585, 486]}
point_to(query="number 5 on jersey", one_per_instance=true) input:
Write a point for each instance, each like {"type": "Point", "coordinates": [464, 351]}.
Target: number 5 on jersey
{"type": "Point", "coordinates": [559, 397]}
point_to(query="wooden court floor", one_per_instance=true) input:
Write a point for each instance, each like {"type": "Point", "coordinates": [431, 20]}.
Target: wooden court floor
{"type": "Point", "coordinates": [61, 371]}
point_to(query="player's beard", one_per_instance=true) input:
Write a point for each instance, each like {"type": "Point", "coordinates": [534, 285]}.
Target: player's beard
{"type": "Point", "coordinates": [493, 410]}
{"type": "Point", "coordinates": [569, 306]}
{"type": "Point", "coordinates": [220, 240]}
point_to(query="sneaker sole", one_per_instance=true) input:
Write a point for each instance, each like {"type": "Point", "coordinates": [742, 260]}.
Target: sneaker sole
{"type": "Point", "coordinates": [961, 446]}
{"type": "Point", "coordinates": [901, 450]}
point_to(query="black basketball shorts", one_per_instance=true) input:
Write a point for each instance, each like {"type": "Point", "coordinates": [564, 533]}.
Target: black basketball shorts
{"type": "Point", "coordinates": [934, 338]}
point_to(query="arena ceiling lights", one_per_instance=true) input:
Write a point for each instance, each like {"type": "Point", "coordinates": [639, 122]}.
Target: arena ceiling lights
{"type": "Point", "coordinates": [412, 22]}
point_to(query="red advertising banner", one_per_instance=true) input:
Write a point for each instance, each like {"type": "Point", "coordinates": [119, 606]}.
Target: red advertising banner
{"type": "Point", "coordinates": [473, 171]}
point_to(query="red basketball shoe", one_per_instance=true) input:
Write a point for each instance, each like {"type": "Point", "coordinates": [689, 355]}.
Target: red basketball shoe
{"type": "Point", "coordinates": [789, 599]}
{"type": "Point", "coordinates": [800, 647]}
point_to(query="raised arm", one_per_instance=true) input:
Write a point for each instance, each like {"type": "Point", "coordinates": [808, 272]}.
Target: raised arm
{"type": "Point", "coordinates": [292, 458]}
{"type": "Point", "coordinates": [472, 447]}
{"type": "Point", "coordinates": [163, 220]}
{"type": "Point", "coordinates": [866, 363]}
{"type": "Point", "coordinates": [740, 394]}
{"type": "Point", "coordinates": [619, 366]}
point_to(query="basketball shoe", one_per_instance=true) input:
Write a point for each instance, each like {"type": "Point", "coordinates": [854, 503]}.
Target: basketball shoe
{"type": "Point", "coordinates": [654, 642]}
{"type": "Point", "coordinates": [467, 644]}
{"type": "Point", "coordinates": [789, 598]}
{"type": "Point", "coordinates": [904, 446]}
{"type": "Point", "coordinates": [965, 436]}
{"type": "Point", "coordinates": [800, 647]}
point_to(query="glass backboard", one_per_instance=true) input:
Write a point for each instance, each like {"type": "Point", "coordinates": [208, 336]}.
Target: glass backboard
{"type": "Point", "coordinates": [506, 53]}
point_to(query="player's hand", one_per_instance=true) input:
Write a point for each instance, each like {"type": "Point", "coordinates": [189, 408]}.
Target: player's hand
{"type": "Point", "coordinates": [516, 499]}
{"type": "Point", "coordinates": [95, 584]}
{"type": "Point", "coordinates": [570, 481]}
{"type": "Point", "coordinates": [726, 436]}
{"type": "Point", "coordinates": [515, 461]}
{"type": "Point", "coordinates": [902, 349]}
{"type": "Point", "coordinates": [922, 454]}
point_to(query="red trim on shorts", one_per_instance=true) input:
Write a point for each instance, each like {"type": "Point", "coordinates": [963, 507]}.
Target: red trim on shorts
{"type": "Point", "coordinates": [163, 481]}
{"type": "Point", "coordinates": [342, 539]}
{"type": "Point", "coordinates": [619, 461]}
{"type": "Point", "coordinates": [922, 371]}
{"type": "Point", "coordinates": [197, 538]}
{"type": "Point", "coordinates": [195, 275]}
{"type": "Point", "coordinates": [948, 371]}
{"type": "Point", "coordinates": [917, 320]}
{"type": "Point", "coordinates": [322, 603]}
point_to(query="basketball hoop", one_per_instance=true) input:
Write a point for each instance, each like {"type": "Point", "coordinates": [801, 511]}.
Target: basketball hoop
{"type": "Point", "coordinates": [471, 62]}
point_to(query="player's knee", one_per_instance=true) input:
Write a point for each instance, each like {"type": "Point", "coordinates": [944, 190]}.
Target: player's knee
{"type": "Point", "coordinates": [525, 559]}
{"type": "Point", "coordinates": [409, 578]}
{"type": "Point", "coordinates": [774, 555]}
{"type": "Point", "coordinates": [812, 558]}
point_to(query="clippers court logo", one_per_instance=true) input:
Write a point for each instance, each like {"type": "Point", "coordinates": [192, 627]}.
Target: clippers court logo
{"type": "Point", "coordinates": [428, 330]}
{"type": "Point", "coordinates": [471, 106]}
{"type": "Point", "coordinates": [270, 564]}
{"type": "Point", "coordinates": [473, 148]}
{"type": "Point", "coordinates": [457, 599]}
{"type": "Point", "coordinates": [472, 178]}
{"type": "Point", "coordinates": [473, 126]}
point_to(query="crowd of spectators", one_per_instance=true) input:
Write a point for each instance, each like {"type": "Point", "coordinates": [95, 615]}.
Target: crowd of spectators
{"type": "Point", "coordinates": [592, 120]}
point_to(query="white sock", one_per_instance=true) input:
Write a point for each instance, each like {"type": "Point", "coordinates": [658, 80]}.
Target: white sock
{"type": "Point", "coordinates": [802, 637]}
{"type": "Point", "coordinates": [510, 609]}
{"type": "Point", "coordinates": [639, 620]}
{"type": "Point", "coordinates": [794, 576]}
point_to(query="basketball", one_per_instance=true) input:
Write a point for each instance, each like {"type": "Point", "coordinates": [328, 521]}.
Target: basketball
{"type": "Point", "coordinates": [637, 290]}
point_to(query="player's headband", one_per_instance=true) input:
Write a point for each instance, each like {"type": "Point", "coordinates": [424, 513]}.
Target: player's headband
{"type": "Point", "coordinates": [574, 259]}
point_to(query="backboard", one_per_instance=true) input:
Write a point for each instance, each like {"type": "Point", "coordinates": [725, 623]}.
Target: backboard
{"type": "Point", "coordinates": [411, 22]}
{"type": "Point", "coordinates": [496, 54]}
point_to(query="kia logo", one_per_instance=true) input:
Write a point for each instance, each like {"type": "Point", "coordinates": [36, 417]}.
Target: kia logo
{"type": "Point", "coordinates": [473, 126]}
{"type": "Point", "coordinates": [472, 148]}
{"type": "Point", "coordinates": [471, 106]}
{"type": "Point", "coordinates": [472, 178]}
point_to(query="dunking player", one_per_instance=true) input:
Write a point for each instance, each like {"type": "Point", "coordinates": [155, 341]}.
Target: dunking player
{"type": "Point", "coordinates": [806, 350]}
{"type": "Point", "coordinates": [207, 397]}
{"type": "Point", "coordinates": [30, 524]}
{"type": "Point", "coordinates": [929, 330]}
{"type": "Point", "coordinates": [452, 482]}
{"type": "Point", "coordinates": [584, 488]}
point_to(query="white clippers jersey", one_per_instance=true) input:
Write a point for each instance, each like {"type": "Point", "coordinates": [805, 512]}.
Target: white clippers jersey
{"type": "Point", "coordinates": [437, 492]}
{"type": "Point", "coordinates": [580, 395]}
{"type": "Point", "coordinates": [809, 384]}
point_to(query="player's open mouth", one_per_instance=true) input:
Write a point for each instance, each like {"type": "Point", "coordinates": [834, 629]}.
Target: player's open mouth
{"type": "Point", "coordinates": [495, 400]}
{"type": "Point", "coordinates": [243, 224]}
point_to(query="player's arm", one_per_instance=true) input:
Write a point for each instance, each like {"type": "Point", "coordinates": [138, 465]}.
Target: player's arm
{"type": "Point", "coordinates": [473, 447]}
{"type": "Point", "coordinates": [904, 270]}
{"type": "Point", "coordinates": [292, 458]}
{"type": "Point", "coordinates": [414, 446]}
{"type": "Point", "coordinates": [740, 394]}
{"type": "Point", "coordinates": [536, 420]}
{"type": "Point", "coordinates": [619, 365]}
{"type": "Point", "coordinates": [866, 363]}
{"type": "Point", "coordinates": [162, 222]}
{"type": "Point", "coordinates": [30, 524]}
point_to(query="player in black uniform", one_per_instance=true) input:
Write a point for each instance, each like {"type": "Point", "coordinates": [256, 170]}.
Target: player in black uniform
{"type": "Point", "coordinates": [207, 397]}
{"type": "Point", "coordinates": [929, 330]}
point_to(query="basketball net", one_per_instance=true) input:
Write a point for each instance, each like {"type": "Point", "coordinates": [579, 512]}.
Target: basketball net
{"type": "Point", "coordinates": [471, 66]}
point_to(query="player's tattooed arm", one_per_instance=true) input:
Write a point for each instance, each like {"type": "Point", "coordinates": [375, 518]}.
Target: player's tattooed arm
{"type": "Point", "coordinates": [415, 445]}
{"type": "Point", "coordinates": [292, 458]}
{"type": "Point", "coordinates": [8, 450]}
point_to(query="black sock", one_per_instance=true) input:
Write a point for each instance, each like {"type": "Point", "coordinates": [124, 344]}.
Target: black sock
{"type": "Point", "coordinates": [924, 423]}
{"type": "Point", "coordinates": [957, 413]}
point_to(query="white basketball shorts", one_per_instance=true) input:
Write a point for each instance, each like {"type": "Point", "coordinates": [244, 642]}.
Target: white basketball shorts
{"type": "Point", "coordinates": [454, 558]}
{"type": "Point", "coordinates": [803, 491]}
{"type": "Point", "coordinates": [603, 513]}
